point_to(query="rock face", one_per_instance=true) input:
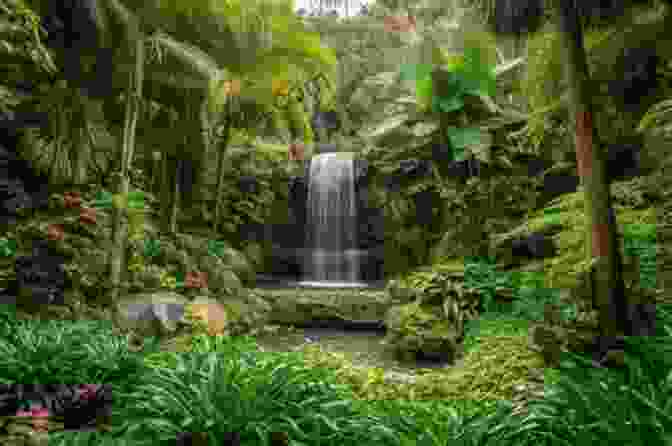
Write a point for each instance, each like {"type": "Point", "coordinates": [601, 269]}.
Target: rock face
{"type": "Point", "coordinates": [40, 277]}
{"type": "Point", "coordinates": [371, 225]}
{"type": "Point", "coordinates": [21, 189]}
{"type": "Point", "coordinates": [298, 196]}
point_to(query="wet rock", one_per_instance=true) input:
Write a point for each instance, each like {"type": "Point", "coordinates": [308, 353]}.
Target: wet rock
{"type": "Point", "coordinates": [248, 184]}
{"type": "Point", "coordinates": [464, 169]}
{"type": "Point", "coordinates": [373, 265]}
{"type": "Point", "coordinates": [371, 229]}
{"type": "Point", "coordinates": [414, 168]}
{"type": "Point", "coordinates": [286, 262]}
{"type": "Point", "coordinates": [253, 232]}
{"type": "Point", "coordinates": [362, 172]}
{"type": "Point", "coordinates": [624, 161]}
{"type": "Point", "coordinates": [425, 203]}
{"type": "Point", "coordinates": [298, 197]}
{"type": "Point", "coordinates": [556, 184]}
{"type": "Point", "coordinates": [536, 245]}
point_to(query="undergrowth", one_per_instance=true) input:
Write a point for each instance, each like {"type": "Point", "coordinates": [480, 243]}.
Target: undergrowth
{"type": "Point", "coordinates": [226, 384]}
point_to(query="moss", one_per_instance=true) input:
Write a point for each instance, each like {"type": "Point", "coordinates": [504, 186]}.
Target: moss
{"type": "Point", "coordinates": [489, 372]}
{"type": "Point", "coordinates": [562, 270]}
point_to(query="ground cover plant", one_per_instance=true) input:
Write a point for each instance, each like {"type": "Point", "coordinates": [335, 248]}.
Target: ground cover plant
{"type": "Point", "coordinates": [222, 385]}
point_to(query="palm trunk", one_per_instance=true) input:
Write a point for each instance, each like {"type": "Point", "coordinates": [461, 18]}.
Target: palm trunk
{"type": "Point", "coordinates": [601, 238]}
{"type": "Point", "coordinates": [205, 171]}
{"type": "Point", "coordinates": [166, 193]}
{"type": "Point", "coordinates": [81, 149]}
{"type": "Point", "coordinates": [176, 197]}
{"type": "Point", "coordinates": [119, 229]}
{"type": "Point", "coordinates": [220, 176]}
{"type": "Point", "coordinates": [195, 142]}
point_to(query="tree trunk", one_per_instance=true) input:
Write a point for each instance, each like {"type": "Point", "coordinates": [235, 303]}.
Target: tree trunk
{"type": "Point", "coordinates": [207, 155]}
{"type": "Point", "coordinates": [166, 193]}
{"type": "Point", "coordinates": [220, 174]}
{"type": "Point", "coordinates": [176, 196]}
{"type": "Point", "coordinates": [601, 245]}
{"type": "Point", "coordinates": [196, 152]}
{"type": "Point", "coordinates": [81, 147]}
{"type": "Point", "coordinates": [119, 229]}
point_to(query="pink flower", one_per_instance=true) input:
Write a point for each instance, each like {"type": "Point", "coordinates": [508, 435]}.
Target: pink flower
{"type": "Point", "coordinates": [399, 23]}
{"type": "Point", "coordinates": [88, 391]}
{"type": "Point", "coordinates": [38, 413]}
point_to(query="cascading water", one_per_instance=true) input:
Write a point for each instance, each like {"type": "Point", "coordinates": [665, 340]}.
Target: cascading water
{"type": "Point", "coordinates": [331, 255]}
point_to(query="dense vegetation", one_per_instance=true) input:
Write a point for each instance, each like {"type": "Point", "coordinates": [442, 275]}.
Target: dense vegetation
{"type": "Point", "coordinates": [181, 116]}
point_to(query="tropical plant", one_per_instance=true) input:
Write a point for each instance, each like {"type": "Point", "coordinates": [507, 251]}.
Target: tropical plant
{"type": "Point", "coordinates": [507, 18]}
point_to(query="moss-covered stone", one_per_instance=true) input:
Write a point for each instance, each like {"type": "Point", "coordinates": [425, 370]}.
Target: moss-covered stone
{"type": "Point", "coordinates": [414, 330]}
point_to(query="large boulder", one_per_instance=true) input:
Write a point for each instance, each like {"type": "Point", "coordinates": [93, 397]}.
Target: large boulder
{"type": "Point", "coordinates": [419, 332]}
{"type": "Point", "coordinates": [151, 314]}
{"type": "Point", "coordinates": [300, 306]}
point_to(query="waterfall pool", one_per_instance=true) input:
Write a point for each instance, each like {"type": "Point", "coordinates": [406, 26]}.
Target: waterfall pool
{"type": "Point", "coordinates": [361, 347]}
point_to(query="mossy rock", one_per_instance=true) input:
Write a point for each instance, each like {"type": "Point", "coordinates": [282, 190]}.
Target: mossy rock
{"type": "Point", "coordinates": [563, 270]}
{"type": "Point", "coordinates": [419, 330]}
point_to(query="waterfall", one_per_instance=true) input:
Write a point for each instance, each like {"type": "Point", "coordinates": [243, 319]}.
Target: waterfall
{"type": "Point", "coordinates": [331, 225]}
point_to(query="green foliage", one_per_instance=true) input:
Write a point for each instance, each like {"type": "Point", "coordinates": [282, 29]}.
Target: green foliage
{"type": "Point", "coordinates": [479, 273]}
{"type": "Point", "coordinates": [241, 208]}
{"type": "Point", "coordinates": [217, 382]}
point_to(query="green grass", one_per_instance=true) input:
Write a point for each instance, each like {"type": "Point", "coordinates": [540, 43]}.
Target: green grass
{"type": "Point", "coordinates": [227, 385]}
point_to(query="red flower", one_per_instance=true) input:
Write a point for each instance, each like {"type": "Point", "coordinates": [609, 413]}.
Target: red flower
{"type": "Point", "coordinates": [88, 215]}
{"type": "Point", "coordinates": [55, 232]}
{"type": "Point", "coordinates": [196, 280]}
{"type": "Point", "coordinates": [72, 200]}
{"type": "Point", "coordinates": [296, 152]}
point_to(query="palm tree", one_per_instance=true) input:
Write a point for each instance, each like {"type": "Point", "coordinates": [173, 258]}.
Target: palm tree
{"type": "Point", "coordinates": [192, 81]}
